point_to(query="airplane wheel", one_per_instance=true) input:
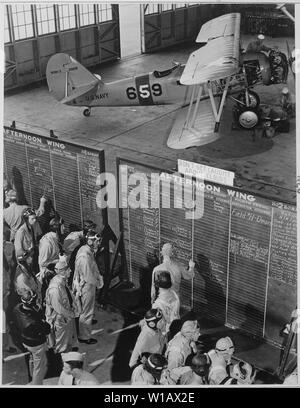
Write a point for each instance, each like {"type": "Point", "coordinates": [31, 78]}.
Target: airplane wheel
{"type": "Point", "coordinates": [87, 112]}
{"type": "Point", "coordinates": [253, 99]}
{"type": "Point", "coordinates": [248, 119]}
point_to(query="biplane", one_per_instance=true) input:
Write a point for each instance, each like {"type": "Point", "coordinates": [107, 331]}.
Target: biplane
{"type": "Point", "coordinates": [216, 70]}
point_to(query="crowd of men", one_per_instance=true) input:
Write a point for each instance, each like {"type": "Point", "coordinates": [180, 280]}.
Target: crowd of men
{"type": "Point", "coordinates": [49, 284]}
{"type": "Point", "coordinates": [49, 291]}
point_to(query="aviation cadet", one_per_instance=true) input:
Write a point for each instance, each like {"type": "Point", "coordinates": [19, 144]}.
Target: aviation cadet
{"type": "Point", "coordinates": [50, 246]}
{"type": "Point", "coordinates": [151, 338]}
{"type": "Point", "coordinates": [9, 268]}
{"type": "Point", "coordinates": [26, 282]}
{"type": "Point", "coordinates": [76, 238]}
{"type": "Point", "coordinates": [28, 235]}
{"type": "Point", "coordinates": [196, 374]}
{"type": "Point", "coordinates": [87, 278]}
{"type": "Point", "coordinates": [13, 213]}
{"type": "Point", "coordinates": [34, 329]}
{"type": "Point", "coordinates": [150, 371]}
{"type": "Point", "coordinates": [220, 359]}
{"type": "Point", "coordinates": [167, 299]}
{"type": "Point", "coordinates": [61, 309]}
{"type": "Point", "coordinates": [183, 344]}
{"type": "Point", "coordinates": [243, 373]}
{"type": "Point", "coordinates": [73, 373]}
{"type": "Point", "coordinates": [176, 270]}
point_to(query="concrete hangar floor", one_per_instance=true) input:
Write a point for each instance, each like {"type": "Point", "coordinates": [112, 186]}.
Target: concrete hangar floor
{"type": "Point", "coordinates": [140, 133]}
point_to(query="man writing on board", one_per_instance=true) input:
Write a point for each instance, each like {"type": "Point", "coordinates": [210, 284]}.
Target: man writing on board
{"type": "Point", "coordinates": [176, 270]}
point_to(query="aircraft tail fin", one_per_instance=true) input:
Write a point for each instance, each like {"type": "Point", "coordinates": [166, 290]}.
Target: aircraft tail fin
{"type": "Point", "coordinates": [67, 79]}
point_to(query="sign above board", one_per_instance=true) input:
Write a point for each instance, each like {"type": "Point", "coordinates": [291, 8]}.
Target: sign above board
{"type": "Point", "coordinates": [201, 171]}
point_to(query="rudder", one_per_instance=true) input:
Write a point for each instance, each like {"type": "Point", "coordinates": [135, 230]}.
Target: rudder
{"type": "Point", "coordinates": [67, 77]}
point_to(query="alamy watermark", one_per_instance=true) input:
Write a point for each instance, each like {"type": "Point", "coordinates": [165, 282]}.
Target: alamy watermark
{"type": "Point", "coordinates": [145, 191]}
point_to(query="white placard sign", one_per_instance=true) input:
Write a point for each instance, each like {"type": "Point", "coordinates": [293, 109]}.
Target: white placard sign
{"type": "Point", "coordinates": [204, 172]}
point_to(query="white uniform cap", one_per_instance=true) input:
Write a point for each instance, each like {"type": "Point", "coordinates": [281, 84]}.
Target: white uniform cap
{"type": "Point", "coordinates": [224, 344]}
{"type": "Point", "coordinates": [285, 90]}
{"type": "Point", "coordinates": [72, 356]}
{"type": "Point", "coordinates": [261, 37]}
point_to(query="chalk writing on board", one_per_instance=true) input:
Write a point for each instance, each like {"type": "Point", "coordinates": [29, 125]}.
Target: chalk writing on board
{"type": "Point", "coordinates": [248, 248]}
{"type": "Point", "coordinates": [283, 262]}
{"type": "Point", "coordinates": [66, 173]}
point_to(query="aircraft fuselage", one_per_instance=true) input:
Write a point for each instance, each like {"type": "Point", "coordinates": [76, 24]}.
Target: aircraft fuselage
{"type": "Point", "coordinates": [142, 90]}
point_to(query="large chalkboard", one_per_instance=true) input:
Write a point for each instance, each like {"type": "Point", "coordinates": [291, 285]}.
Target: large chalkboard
{"type": "Point", "coordinates": [244, 247]}
{"type": "Point", "coordinates": [66, 173]}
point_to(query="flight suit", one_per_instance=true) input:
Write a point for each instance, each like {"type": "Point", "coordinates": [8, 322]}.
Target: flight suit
{"type": "Point", "coordinates": [24, 239]}
{"type": "Point", "coordinates": [86, 279]}
{"type": "Point", "coordinates": [177, 272]}
{"type": "Point", "coordinates": [48, 251]}
{"type": "Point", "coordinates": [149, 341]}
{"type": "Point", "coordinates": [183, 376]}
{"type": "Point", "coordinates": [178, 349]}
{"type": "Point", "coordinates": [218, 369]}
{"type": "Point", "coordinates": [13, 217]}
{"type": "Point", "coordinates": [168, 302]}
{"type": "Point", "coordinates": [72, 241]}
{"type": "Point", "coordinates": [85, 378]}
{"type": "Point", "coordinates": [140, 376]}
{"type": "Point", "coordinates": [60, 314]}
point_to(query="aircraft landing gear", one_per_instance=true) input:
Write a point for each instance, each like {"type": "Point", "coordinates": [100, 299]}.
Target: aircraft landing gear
{"type": "Point", "coordinates": [87, 112]}
{"type": "Point", "coordinates": [248, 119]}
{"type": "Point", "coordinates": [246, 111]}
{"type": "Point", "coordinates": [249, 98]}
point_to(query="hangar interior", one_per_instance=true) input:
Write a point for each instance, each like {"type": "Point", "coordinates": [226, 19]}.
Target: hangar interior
{"type": "Point", "coordinates": [117, 41]}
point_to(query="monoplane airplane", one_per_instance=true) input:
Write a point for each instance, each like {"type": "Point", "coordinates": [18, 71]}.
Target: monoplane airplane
{"type": "Point", "coordinates": [199, 87]}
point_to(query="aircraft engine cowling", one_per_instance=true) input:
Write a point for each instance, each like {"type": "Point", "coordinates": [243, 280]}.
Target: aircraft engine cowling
{"type": "Point", "coordinates": [267, 70]}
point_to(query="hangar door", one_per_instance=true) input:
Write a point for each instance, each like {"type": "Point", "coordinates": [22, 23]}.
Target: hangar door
{"type": "Point", "coordinates": [33, 33]}
{"type": "Point", "coordinates": [168, 24]}
{"type": "Point", "coordinates": [244, 247]}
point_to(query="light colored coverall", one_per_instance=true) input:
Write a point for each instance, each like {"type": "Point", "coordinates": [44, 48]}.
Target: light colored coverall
{"type": "Point", "coordinates": [177, 272]}
{"type": "Point", "coordinates": [23, 238]}
{"type": "Point", "coordinates": [86, 279]}
{"type": "Point", "coordinates": [183, 376]}
{"type": "Point", "coordinates": [179, 348]}
{"type": "Point", "coordinates": [140, 376]}
{"type": "Point", "coordinates": [72, 241]}
{"type": "Point", "coordinates": [149, 341]}
{"type": "Point", "coordinates": [48, 251]}
{"type": "Point", "coordinates": [85, 378]}
{"type": "Point", "coordinates": [168, 302]}
{"type": "Point", "coordinates": [60, 315]}
{"type": "Point", "coordinates": [13, 217]}
{"type": "Point", "coordinates": [217, 370]}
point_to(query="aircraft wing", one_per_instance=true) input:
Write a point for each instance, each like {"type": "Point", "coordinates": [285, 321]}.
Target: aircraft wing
{"type": "Point", "coordinates": [219, 58]}
{"type": "Point", "coordinates": [202, 131]}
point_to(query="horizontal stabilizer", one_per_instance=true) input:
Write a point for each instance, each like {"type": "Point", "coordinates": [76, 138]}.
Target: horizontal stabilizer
{"type": "Point", "coordinates": [67, 79]}
{"type": "Point", "coordinates": [218, 59]}
{"type": "Point", "coordinates": [80, 91]}
{"type": "Point", "coordinates": [184, 135]}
